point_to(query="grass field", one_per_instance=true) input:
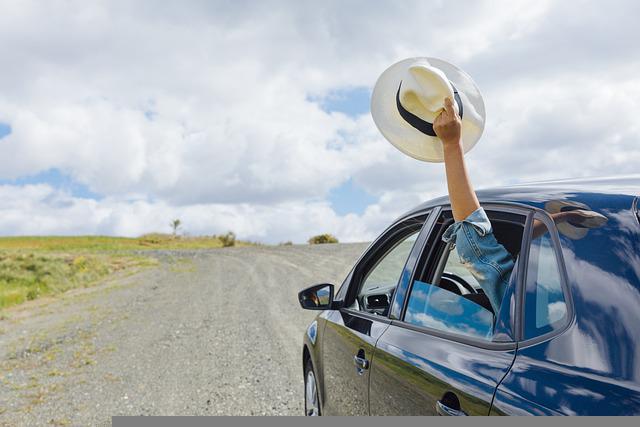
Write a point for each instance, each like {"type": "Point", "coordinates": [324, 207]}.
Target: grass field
{"type": "Point", "coordinates": [106, 243]}
{"type": "Point", "coordinates": [31, 267]}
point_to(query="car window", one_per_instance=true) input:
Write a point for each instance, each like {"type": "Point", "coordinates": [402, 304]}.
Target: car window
{"type": "Point", "coordinates": [545, 304]}
{"type": "Point", "coordinates": [437, 308]}
{"type": "Point", "coordinates": [376, 289]}
{"type": "Point", "coordinates": [448, 297]}
{"type": "Point", "coordinates": [454, 304]}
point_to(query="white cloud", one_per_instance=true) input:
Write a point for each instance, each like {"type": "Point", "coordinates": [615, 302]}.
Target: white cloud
{"type": "Point", "coordinates": [41, 210]}
{"type": "Point", "coordinates": [203, 110]}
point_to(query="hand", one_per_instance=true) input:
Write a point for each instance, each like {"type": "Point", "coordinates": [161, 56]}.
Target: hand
{"type": "Point", "coordinates": [447, 125]}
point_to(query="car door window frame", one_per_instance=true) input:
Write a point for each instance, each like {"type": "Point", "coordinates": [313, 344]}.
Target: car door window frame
{"type": "Point", "coordinates": [428, 254]}
{"type": "Point", "coordinates": [389, 236]}
{"type": "Point", "coordinates": [432, 255]}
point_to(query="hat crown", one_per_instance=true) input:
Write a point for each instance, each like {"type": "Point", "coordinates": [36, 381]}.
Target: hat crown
{"type": "Point", "coordinates": [423, 90]}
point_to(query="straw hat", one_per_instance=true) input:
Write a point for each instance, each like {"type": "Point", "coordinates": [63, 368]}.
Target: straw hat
{"type": "Point", "coordinates": [408, 97]}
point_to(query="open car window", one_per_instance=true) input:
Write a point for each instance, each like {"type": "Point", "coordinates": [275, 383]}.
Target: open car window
{"type": "Point", "coordinates": [433, 307]}
{"type": "Point", "coordinates": [446, 295]}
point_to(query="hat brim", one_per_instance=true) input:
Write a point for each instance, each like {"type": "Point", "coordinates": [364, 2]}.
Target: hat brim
{"type": "Point", "coordinates": [410, 140]}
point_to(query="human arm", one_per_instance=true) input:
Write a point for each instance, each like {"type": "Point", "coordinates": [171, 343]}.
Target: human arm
{"type": "Point", "coordinates": [487, 260]}
{"type": "Point", "coordinates": [448, 128]}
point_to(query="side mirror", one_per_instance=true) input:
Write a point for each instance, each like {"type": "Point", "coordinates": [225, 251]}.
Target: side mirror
{"type": "Point", "coordinates": [317, 297]}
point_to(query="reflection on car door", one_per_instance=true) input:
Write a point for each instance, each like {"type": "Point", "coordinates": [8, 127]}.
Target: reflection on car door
{"type": "Point", "coordinates": [348, 336]}
{"type": "Point", "coordinates": [351, 333]}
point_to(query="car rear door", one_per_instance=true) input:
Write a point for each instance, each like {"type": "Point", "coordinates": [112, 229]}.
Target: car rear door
{"type": "Point", "coordinates": [350, 333]}
{"type": "Point", "coordinates": [578, 347]}
{"type": "Point", "coordinates": [442, 353]}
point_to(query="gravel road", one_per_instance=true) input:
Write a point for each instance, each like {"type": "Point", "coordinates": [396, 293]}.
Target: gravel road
{"type": "Point", "coordinates": [214, 332]}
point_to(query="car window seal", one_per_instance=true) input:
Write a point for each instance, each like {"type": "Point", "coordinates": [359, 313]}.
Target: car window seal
{"type": "Point", "coordinates": [366, 315]}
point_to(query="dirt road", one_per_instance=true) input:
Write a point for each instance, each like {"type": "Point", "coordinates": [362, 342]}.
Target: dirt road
{"type": "Point", "coordinates": [207, 332]}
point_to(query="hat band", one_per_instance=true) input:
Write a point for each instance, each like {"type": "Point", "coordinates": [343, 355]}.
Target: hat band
{"type": "Point", "coordinates": [415, 121]}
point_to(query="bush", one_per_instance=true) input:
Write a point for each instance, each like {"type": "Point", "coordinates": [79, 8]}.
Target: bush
{"type": "Point", "coordinates": [322, 238]}
{"type": "Point", "coordinates": [228, 239]}
{"type": "Point", "coordinates": [287, 243]}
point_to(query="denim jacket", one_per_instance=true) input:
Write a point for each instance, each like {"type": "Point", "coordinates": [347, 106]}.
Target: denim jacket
{"type": "Point", "coordinates": [479, 251]}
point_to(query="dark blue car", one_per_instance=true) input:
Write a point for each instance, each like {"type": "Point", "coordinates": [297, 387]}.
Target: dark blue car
{"type": "Point", "coordinates": [410, 331]}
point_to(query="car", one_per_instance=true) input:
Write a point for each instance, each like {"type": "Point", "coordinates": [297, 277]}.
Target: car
{"type": "Point", "coordinates": [410, 332]}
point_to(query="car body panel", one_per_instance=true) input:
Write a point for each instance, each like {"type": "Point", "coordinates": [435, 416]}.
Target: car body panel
{"type": "Point", "coordinates": [346, 335]}
{"type": "Point", "coordinates": [593, 367]}
{"type": "Point", "coordinates": [412, 370]}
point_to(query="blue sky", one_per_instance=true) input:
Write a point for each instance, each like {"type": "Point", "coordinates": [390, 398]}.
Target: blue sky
{"type": "Point", "coordinates": [348, 197]}
{"type": "Point", "coordinates": [56, 179]}
{"type": "Point", "coordinates": [5, 130]}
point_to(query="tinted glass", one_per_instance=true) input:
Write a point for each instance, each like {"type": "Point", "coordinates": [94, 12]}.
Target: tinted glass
{"type": "Point", "coordinates": [387, 271]}
{"type": "Point", "coordinates": [433, 307]}
{"type": "Point", "coordinates": [379, 283]}
{"type": "Point", "coordinates": [545, 306]}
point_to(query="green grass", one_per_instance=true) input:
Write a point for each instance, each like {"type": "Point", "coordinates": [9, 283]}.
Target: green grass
{"type": "Point", "coordinates": [27, 276]}
{"type": "Point", "coordinates": [105, 243]}
{"type": "Point", "coordinates": [35, 266]}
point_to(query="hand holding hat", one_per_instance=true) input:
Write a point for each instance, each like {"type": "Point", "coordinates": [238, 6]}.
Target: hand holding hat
{"type": "Point", "coordinates": [448, 125]}
{"type": "Point", "coordinates": [409, 97]}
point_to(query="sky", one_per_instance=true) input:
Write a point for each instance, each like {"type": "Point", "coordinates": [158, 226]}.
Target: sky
{"type": "Point", "coordinates": [118, 116]}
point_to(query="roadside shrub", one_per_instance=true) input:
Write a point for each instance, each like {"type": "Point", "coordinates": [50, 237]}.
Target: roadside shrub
{"type": "Point", "coordinates": [228, 239]}
{"type": "Point", "coordinates": [287, 243]}
{"type": "Point", "coordinates": [323, 238]}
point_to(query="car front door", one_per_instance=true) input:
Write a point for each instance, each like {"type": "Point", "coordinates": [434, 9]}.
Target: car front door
{"type": "Point", "coordinates": [446, 352]}
{"type": "Point", "coordinates": [351, 332]}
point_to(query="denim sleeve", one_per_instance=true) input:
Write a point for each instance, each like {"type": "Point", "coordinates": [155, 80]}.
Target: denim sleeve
{"type": "Point", "coordinates": [487, 260]}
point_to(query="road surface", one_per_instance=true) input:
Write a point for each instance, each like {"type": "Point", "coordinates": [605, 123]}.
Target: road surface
{"type": "Point", "coordinates": [214, 332]}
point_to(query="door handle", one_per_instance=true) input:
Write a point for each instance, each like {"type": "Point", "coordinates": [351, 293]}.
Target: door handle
{"type": "Point", "coordinates": [361, 362]}
{"type": "Point", "coordinates": [443, 409]}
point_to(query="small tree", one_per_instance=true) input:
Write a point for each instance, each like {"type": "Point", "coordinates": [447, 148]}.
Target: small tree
{"type": "Point", "coordinates": [228, 239]}
{"type": "Point", "coordinates": [175, 224]}
{"type": "Point", "coordinates": [323, 238]}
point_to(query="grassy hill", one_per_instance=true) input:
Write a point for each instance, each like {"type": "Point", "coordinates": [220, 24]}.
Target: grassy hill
{"type": "Point", "coordinates": [35, 266]}
{"type": "Point", "coordinates": [106, 243]}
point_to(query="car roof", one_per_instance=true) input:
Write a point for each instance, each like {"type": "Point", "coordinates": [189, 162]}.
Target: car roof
{"type": "Point", "coordinates": [599, 191]}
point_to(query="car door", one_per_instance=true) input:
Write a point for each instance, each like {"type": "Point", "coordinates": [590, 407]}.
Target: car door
{"type": "Point", "coordinates": [446, 352]}
{"type": "Point", "coordinates": [537, 385]}
{"type": "Point", "coordinates": [350, 333]}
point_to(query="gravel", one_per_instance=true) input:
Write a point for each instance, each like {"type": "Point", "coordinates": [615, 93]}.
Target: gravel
{"type": "Point", "coordinates": [215, 332]}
